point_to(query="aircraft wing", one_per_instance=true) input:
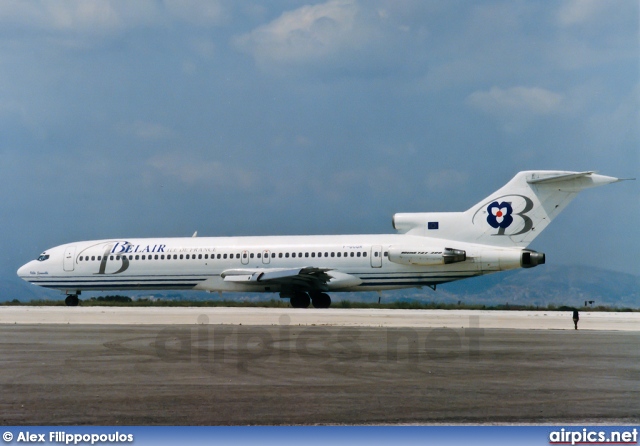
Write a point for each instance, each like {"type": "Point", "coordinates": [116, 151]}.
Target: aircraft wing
{"type": "Point", "coordinates": [308, 278]}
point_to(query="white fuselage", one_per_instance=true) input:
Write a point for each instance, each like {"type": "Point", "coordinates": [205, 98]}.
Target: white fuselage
{"type": "Point", "coordinates": [199, 263]}
{"type": "Point", "coordinates": [430, 248]}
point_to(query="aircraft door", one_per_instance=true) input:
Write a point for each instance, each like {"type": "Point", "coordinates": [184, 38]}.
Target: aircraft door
{"type": "Point", "coordinates": [376, 256]}
{"type": "Point", "coordinates": [69, 257]}
{"type": "Point", "coordinates": [245, 257]}
{"type": "Point", "coordinates": [266, 257]}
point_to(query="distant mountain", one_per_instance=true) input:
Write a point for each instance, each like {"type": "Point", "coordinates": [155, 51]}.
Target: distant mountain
{"type": "Point", "coordinates": [543, 285]}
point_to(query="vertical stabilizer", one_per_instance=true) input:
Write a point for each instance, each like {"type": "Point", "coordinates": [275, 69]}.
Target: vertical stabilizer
{"type": "Point", "coordinates": [512, 216]}
{"type": "Point", "coordinates": [515, 214]}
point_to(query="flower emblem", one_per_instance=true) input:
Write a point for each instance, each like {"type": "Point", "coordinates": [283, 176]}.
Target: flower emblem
{"type": "Point", "coordinates": [500, 214]}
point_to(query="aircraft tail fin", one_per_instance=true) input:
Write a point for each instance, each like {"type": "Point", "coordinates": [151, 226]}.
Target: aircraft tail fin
{"type": "Point", "coordinates": [510, 217]}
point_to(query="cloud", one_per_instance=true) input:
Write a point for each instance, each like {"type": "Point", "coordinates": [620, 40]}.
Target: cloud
{"type": "Point", "coordinates": [105, 16]}
{"type": "Point", "coordinates": [87, 15]}
{"type": "Point", "coordinates": [197, 12]}
{"type": "Point", "coordinates": [307, 33]}
{"type": "Point", "coordinates": [579, 11]}
{"type": "Point", "coordinates": [529, 100]}
{"type": "Point", "coordinates": [191, 172]}
{"type": "Point", "coordinates": [338, 37]}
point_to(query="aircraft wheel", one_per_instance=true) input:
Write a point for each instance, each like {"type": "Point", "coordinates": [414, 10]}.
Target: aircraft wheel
{"type": "Point", "coordinates": [72, 300]}
{"type": "Point", "coordinates": [300, 300]}
{"type": "Point", "coordinates": [321, 300]}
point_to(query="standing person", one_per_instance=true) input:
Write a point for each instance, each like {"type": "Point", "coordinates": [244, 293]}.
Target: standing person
{"type": "Point", "coordinates": [576, 318]}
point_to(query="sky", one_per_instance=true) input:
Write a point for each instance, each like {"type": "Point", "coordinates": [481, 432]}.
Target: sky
{"type": "Point", "coordinates": [160, 118]}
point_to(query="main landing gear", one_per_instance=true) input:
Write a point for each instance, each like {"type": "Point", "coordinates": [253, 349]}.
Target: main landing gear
{"type": "Point", "coordinates": [72, 300]}
{"type": "Point", "coordinates": [300, 299]}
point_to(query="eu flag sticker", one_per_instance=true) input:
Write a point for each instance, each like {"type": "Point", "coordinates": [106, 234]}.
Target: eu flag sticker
{"type": "Point", "coordinates": [432, 225]}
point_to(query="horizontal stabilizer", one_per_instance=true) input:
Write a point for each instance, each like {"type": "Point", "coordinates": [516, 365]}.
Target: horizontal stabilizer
{"type": "Point", "coordinates": [557, 178]}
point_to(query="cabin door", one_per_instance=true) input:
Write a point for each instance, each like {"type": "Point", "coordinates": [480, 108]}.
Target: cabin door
{"type": "Point", "coordinates": [376, 256]}
{"type": "Point", "coordinates": [69, 256]}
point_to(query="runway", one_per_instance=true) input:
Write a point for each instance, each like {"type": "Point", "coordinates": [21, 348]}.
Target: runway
{"type": "Point", "coordinates": [282, 371]}
{"type": "Point", "coordinates": [336, 317]}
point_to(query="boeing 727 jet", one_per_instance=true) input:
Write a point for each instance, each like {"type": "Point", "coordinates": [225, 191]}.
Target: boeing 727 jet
{"type": "Point", "coordinates": [427, 249]}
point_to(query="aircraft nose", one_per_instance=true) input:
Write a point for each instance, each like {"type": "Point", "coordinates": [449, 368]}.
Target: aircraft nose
{"type": "Point", "coordinates": [24, 270]}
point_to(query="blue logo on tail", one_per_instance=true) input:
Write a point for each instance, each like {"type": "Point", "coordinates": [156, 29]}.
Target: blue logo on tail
{"type": "Point", "coordinates": [499, 215]}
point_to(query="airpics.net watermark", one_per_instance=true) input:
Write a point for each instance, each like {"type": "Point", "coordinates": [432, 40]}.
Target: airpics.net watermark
{"type": "Point", "coordinates": [248, 346]}
{"type": "Point", "coordinates": [591, 436]}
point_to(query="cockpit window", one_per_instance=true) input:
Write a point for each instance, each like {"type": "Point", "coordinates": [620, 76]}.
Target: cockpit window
{"type": "Point", "coordinates": [43, 257]}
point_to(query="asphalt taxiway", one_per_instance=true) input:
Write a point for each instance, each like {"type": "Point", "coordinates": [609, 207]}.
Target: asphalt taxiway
{"type": "Point", "coordinates": [200, 366]}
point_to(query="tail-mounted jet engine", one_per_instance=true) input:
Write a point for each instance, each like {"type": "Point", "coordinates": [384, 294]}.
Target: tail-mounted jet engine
{"type": "Point", "coordinates": [530, 258]}
{"type": "Point", "coordinates": [417, 256]}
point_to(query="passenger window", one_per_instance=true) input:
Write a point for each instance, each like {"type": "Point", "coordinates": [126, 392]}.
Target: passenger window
{"type": "Point", "coordinates": [299, 254]}
{"type": "Point", "coordinates": [117, 257]}
{"type": "Point", "coordinates": [137, 257]}
{"type": "Point", "coordinates": [313, 254]}
{"type": "Point", "coordinates": [358, 254]}
{"type": "Point", "coordinates": [259, 255]}
{"type": "Point", "coordinates": [273, 255]}
{"type": "Point", "coordinates": [237, 256]}
{"type": "Point", "coordinates": [224, 256]}
{"type": "Point", "coordinates": [326, 254]}
{"type": "Point", "coordinates": [339, 254]}
{"type": "Point", "coordinates": [162, 257]}
{"type": "Point", "coordinates": [386, 254]}
{"type": "Point", "coordinates": [293, 254]}
{"type": "Point", "coordinates": [110, 257]}
{"type": "Point", "coordinates": [375, 254]}
{"type": "Point", "coordinates": [41, 258]}
{"type": "Point", "coordinates": [130, 257]}
{"type": "Point", "coordinates": [287, 255]}
{"type": "Point", "coordinates": [306, 254]}
{"type": "Point", "coordinates": [143, 257]}
{"type": "Point", "coordinates": [156, 256]}
{"type": "Point", "coordinates": [93, 257]}
{"type": "Point", "coordinates": [218, 256]}
{"type": "Point", "coordinates": [333, 254]}
{"type": "Point", "coordinates": [175, 257]}
{"type": "Point", "coordinates": [280, 255]}
{"type": "Point", "coordinates": [181, 256]}
{"type": "Point", "coordinates": [199, 256]}
{"type": "Point", "coordinates": [251, 255]}
{"type": "Point", "coordinates": [364, 254]}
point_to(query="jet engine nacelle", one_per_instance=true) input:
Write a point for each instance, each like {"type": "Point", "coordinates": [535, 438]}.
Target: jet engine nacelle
{"type": "Point", "coordinates": [420, 256]}
{"type": "Point", "coordinates": [531, 258]}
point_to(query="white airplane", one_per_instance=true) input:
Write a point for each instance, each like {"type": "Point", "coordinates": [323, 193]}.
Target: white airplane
{"type": "Point", "coordinates": [428, 249]}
